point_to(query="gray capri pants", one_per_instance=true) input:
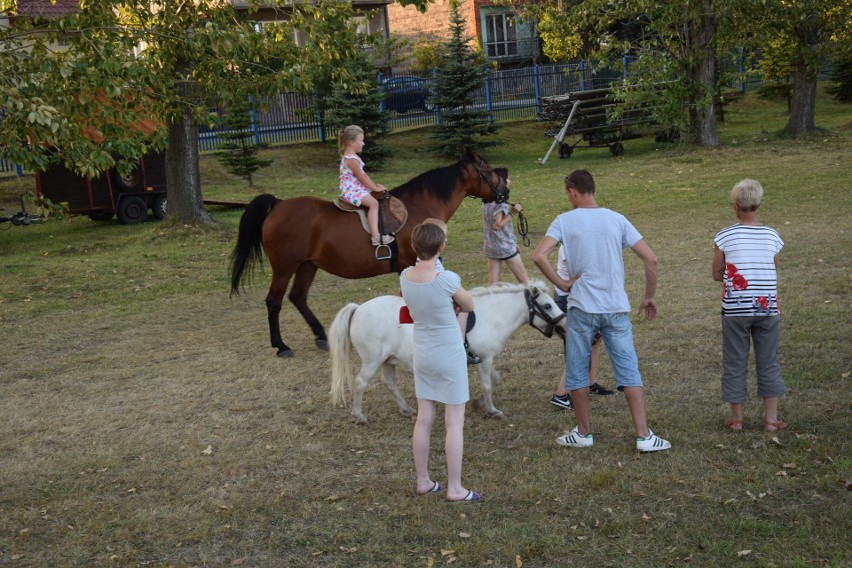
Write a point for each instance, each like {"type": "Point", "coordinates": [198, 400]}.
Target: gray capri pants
{"type": "Point", "coordinates": [765, 333]}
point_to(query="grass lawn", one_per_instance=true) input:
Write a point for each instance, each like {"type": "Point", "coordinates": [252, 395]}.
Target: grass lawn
{"type": "Point", "coordinates": [147, 422]}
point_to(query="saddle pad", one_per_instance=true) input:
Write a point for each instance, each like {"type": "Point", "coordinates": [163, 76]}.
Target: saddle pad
{"type": "Point", "coordinates": [392, 213]}
{"type": "Point", "coordinates": [405, 317]}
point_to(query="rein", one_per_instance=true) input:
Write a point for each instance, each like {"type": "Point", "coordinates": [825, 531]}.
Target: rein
{"type": "Point", "coordinates": [536, 310]}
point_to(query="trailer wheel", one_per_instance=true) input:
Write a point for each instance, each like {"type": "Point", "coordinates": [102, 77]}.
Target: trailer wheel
{"type": "Point", "coordinates": [565, 150]}
{"type": "Point", "coordinates": [130, 182]}
{"type": "Point", "coordinates": [159, 207]}
{"type": "Point", "coordinates": [132, 209]}
{"type": "Point", "coordinates": [617, 149]}
{"type": "Point", "coordinates": [105, 215]}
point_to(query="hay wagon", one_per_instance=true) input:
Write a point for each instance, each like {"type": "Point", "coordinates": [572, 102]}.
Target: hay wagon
{"type": "Point", "coordinates": [587, 116]}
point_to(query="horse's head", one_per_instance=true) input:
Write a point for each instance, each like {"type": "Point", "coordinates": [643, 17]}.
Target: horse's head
{"type": "Point", "coordinates": [545, 315]}
{"type": "Point", "coordinates": [491, 187]}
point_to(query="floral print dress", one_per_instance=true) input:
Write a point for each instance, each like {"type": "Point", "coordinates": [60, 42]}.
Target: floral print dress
{"type": "Point", "coordinates": [351, 189]}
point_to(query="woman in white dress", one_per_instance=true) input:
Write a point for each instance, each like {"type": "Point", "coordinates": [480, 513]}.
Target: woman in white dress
{"type": "Point", "coordinates": [440, 362]}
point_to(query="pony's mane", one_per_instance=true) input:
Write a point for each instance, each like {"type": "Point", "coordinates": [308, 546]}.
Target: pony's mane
{"type": "Point", "coordinates": [439, 181]}
{"type": "Point", "coordinates": [508, 287]}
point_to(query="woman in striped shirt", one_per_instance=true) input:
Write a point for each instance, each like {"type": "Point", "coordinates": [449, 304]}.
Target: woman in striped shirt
{"type": "Point", "coordinates": [745, 261]}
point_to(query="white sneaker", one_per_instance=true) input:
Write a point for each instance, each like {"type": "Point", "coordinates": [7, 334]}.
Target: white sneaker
{"type": "Point", "coordinates": [574, 439]}
{"type": "Point", "coordinates": [652, 443]}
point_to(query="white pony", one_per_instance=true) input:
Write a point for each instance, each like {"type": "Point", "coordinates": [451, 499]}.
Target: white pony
{"type": "Point", "coordinates": [374, 332]}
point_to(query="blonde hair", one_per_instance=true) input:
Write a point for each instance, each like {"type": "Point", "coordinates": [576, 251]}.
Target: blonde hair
{"type": "Point", "coordinates": [747, 194]}
{"type": "Point", "coordinates": [347, 135]}
{"type": "Point", "coordinates": [438, 222]}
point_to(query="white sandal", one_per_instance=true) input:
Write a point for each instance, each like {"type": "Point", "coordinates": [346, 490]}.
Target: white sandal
{"type": "Point", "coordinates": [382, 240]}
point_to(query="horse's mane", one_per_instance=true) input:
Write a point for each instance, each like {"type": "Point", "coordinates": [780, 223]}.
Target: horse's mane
{"type": "Point", "coordinates": [507, 287]}
{"type": "Point", "coordinates": [440, 181]}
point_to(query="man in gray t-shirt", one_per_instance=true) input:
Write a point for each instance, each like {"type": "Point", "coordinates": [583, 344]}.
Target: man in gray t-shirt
{"type": "Point", "coordinates": [594, 238]}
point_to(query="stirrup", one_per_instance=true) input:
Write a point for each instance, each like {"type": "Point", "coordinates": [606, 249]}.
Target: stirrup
{"type": "Point", "coordinates": [383, 252]}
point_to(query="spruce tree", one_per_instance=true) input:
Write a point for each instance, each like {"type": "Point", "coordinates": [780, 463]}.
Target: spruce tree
{"type": "Point", "coordinates": [841, 74]}
{"type": "Point", "coordinates": [347, 105]}
{"type": "Point", "coordinates": [238, 152]}
{"type": "Point", "coordinates": [464, 121]}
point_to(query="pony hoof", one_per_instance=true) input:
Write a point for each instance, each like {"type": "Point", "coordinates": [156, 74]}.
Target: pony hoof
{"type": "Point", "coordinates": [497, 415]}
{"type": "Point", "coordinates": [322, 344]}
{"type": "Point", "coordinates": [360, 420]}
{"type": "Point", "coordinates": [477, 403]}
{"type": "Point", "coordinates": [285, 353]}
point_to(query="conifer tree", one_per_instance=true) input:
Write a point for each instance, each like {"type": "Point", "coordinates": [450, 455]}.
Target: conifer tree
{"type": "Point", "coordinates": [841, 74]}
{"type": "Point", "coordinates": [348, 104]}
{"type": "Point", "coordinates": [238, 152]}
{"type": "Point", "coordinates": [464, 121]}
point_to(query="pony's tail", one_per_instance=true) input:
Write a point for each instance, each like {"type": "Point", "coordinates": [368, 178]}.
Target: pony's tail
{"type": "Point", "coordinates": [340, 345]}
{"type": "Point", "coordinates": [248, 252]}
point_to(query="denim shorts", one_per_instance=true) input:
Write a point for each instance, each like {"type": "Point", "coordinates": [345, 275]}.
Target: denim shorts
{"type": "Point", "coordinates": [617, 331]}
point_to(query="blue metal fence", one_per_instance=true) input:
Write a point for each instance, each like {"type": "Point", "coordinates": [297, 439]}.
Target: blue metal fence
{"type": "Point", "coordinates": [507, 95]}
{"type": "Point", "coordinates": [6, 166]}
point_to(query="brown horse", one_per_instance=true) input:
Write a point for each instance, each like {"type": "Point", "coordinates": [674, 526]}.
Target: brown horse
{"type": "Point", "coordinates": [303, 234]}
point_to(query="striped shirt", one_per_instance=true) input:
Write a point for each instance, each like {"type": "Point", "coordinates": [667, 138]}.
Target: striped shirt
{"type": "Point", "coordinates": [750, 278]}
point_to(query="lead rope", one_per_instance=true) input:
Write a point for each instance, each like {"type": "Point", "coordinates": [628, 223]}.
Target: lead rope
{"type": "Point", "coordinates": [523, 229]}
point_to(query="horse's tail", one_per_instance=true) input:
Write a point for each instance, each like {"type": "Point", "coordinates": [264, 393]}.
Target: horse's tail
{"type": "Point", "coordinates": [340, 344]}
{"type": "Point", "coordinates": [248, 252]}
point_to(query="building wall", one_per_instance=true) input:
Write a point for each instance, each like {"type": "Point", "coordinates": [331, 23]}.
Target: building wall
{"type": "Point", "coordinates": [406, 22]}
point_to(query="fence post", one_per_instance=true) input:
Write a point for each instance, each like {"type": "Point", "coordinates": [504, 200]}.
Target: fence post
{"type": "Point", "coordinates": [624, 65]}
{"type": "Point", "coordinates": [379, 78]}
{"type": "Point", "coordinates": [488, 102]}
{"type": "Point", "coordinates": [437, 107]}
{"type": "Point", "coordinates": [582, 75]}
{"type": "Point", "coordinates": [19, 170]}
{"type": "Point", "coordinates": [254, 127]}
{"type": "Point", "coordinates": [321, 126]}
{"type": "Point", "coordinates": [537, 87]}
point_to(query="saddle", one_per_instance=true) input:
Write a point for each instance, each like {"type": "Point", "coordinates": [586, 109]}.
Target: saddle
{"type": "Point", "coordinates": [392, 213]}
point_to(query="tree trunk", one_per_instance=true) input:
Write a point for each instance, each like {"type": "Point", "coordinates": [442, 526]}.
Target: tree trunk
{"type": "Point", "coordinates": [708, 135]}
{"type": "Point", "coordinates": [803, 105]}
{"type": "Point", "coordinates": [183, 177]}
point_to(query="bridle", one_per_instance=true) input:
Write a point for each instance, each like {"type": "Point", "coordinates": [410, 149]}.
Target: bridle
{"type": "Point", "coordinates": [500, 191]}
{"type": "Point", "coordinates": [536, 310]}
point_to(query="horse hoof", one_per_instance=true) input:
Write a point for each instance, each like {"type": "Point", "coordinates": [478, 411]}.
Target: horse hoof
{"type": "Point", "coordinates": [322, 344]}
{"type": "Point", "coordinates": [285, 353]}
{"type": "Point", "coordinates": [498, 415]}
{"type": "Point", "coordinates": [360, 420]}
